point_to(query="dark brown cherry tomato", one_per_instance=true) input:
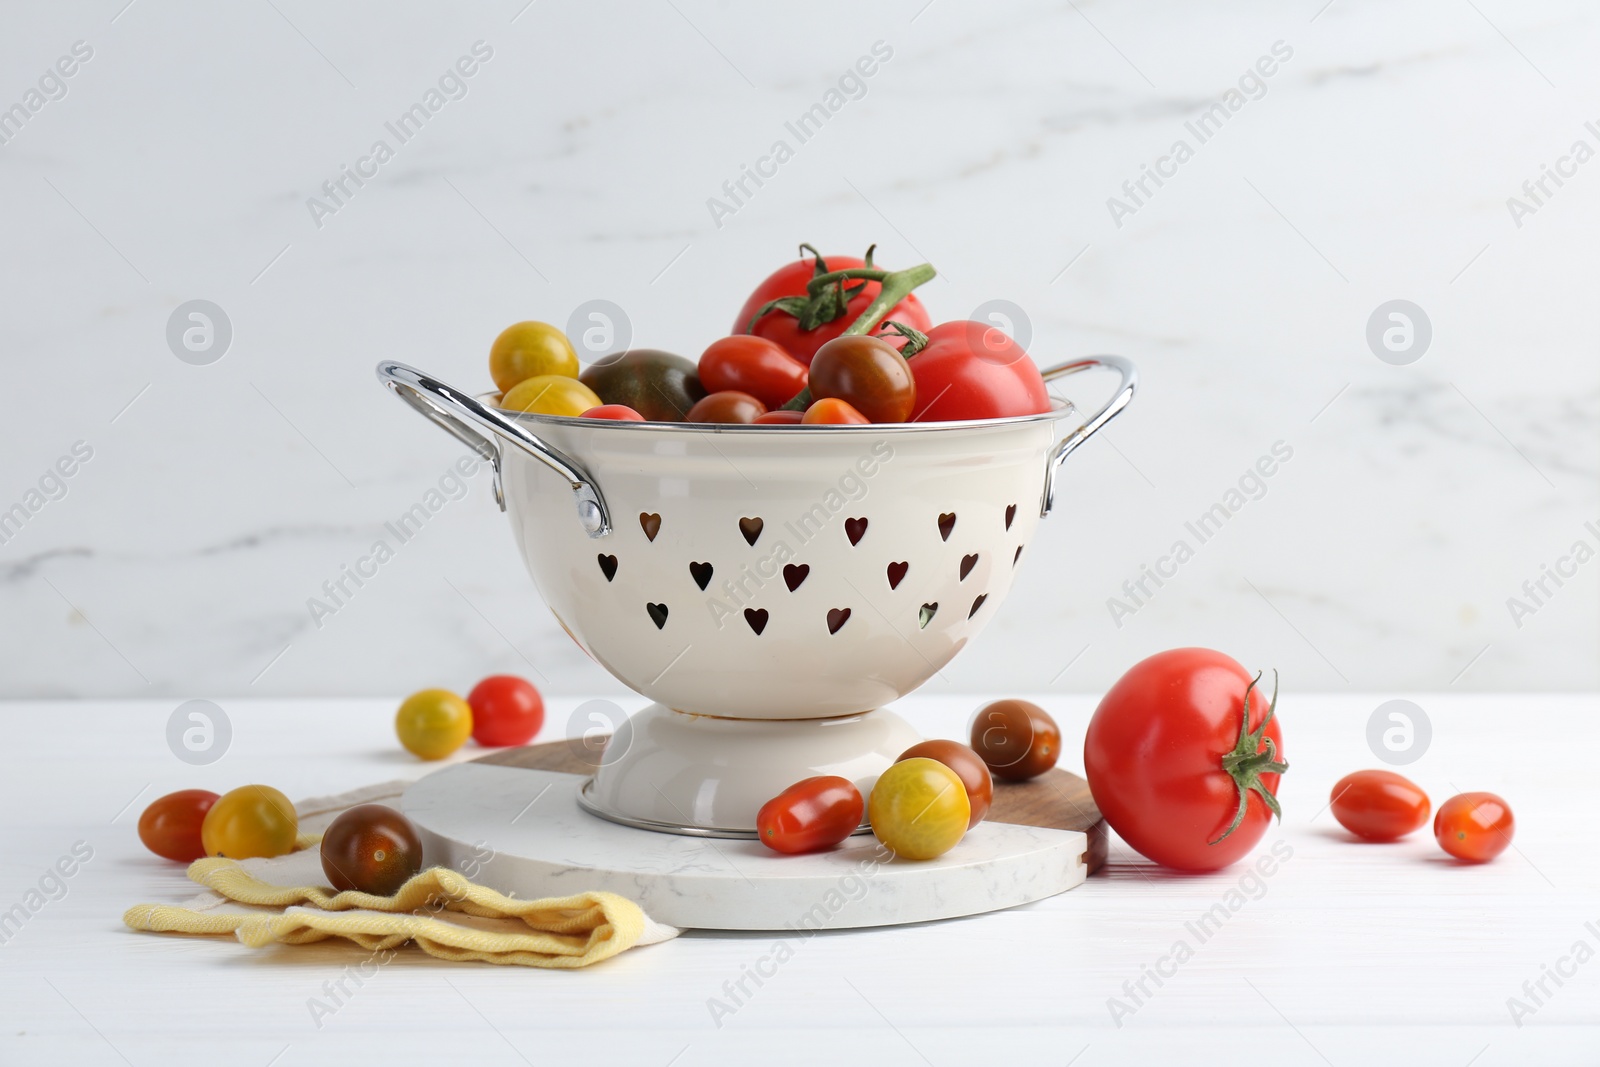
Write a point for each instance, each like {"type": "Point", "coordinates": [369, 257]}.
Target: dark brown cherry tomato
{"type": "Point", "coordinates": [1018, 740]}
{"type": "Point", "coordinates": [1379, 805]}
{"type": "Point", "coordinates": [506, 710]}
{"type": "Point", "coordinates": [170, 826]}
{"type": "Point", "coordinates": [619, 412]}
{"type": "Point", "coordinates": [750, 364]}
{"type": "Point", "coordinates": [781, 417]}
{"type": "Point", "coordinates": [969, 767]}
{"type": "Point", "coordinates": [867, 373]}
{"type": "Point", "coordinates": [658, 385]}
{"type": "Point", "coordinates": [727, 406]}
{"type": "Point", "coordinates": [371, 849]}
{"type": "Point", "coordinates": [811, 815]}
{"type": "Point", "coordinates": [831, 412]}
{"type": "Point", "coordinates": [1475, 827]}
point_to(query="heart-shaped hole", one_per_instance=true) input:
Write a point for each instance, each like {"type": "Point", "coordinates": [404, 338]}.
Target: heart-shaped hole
{"type": "Point", "coordinates": [897, 574]}
{"type": "Point", "coordinates": [1011, 513]}
{"type": "Point", "coordinates": [855, 529]}
{"type": "Point", "coordinates": [608, 565]}
{"type": "Point", "coordinates": [794, 574]}
{"type": "Point", "coordinates": [701, 573]}
{"type": "Point", "coordinates": [751, 528]}
{"type": "Point", "coordinates": [1017, 556]}
{"type": "Point", "coordinates": [925, 615]}
{"type": "Point", "coordinates": [658, 613]}
{"type": "Point", "coordinates": [976, 604]}
{"type": "Point", "coordinates": [837, 617]}
{"type": "Point", "coordinates": [947, 522]}
{"type": "Point", "coordinates": [757, 618]}
{"type": "Point", "coordinates": [651, 522]}
{"type": "Point", "coordinates": [967, 563]}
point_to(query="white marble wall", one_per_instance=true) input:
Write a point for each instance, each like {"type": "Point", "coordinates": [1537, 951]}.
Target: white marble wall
{"type": "Point", "coordinates": [1376, 164]}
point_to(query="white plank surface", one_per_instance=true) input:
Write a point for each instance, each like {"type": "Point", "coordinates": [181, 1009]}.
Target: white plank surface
{"type": "Point", "coordinates": [1352, 954]}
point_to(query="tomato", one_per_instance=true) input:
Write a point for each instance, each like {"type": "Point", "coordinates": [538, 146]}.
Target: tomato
{"type": "Point", "coordinates": [1475, 827]}
{"type": "Point", "coordinates": [371, 849]}
{"type": "Point", "coordinates": [1016, 739]}
{"type": "Point", "coordinates": [658, 385]}
{"type": "Point", "coordinates": [791, 280]}
{"type": "Point", "coordinates": [1379, 805]}
{"type": "Point", "coordinates": [248, 822]}
{"type": "Point", "coordinates": [971, 370]}
{"type": "Point", "coordinates": [1182, 757]}
{"type": "Point", "coordinates": [620, 412]}
{"type": "Point", "coordinates": [550, 394]}
{"type": "Point", "coordinates": [726, 406]}
{"type": "Point", "coordinates": [868, 374]}
{"type": "Point", "coordinates": [170, 826]}
{"type": "Point", "coordinates": [812, 815]}
{"type": "Point", "coordinates": [969, 767]}
{"type": "Point", "coordinates": [780, 417]}
{"type": "Point", "coordinates": [529, 349]}
{"type": "Point", "coordinates": [833, 412]}
{"type": "Point", "coordinates": [506, 710]}
{"type": "Point", "coordinates": [433, 723]}
{"type": "Point", "coordinates": [753, 365]}
{"type": "Point", "coordinates": [919, 809]}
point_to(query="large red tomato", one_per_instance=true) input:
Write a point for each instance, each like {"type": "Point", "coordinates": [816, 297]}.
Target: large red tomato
{"type": "Point", "coordinates": [1176, 766]}
{"type": "Point", "coordinates": [972, 370]}
{"type": "Point", "coordinates": [791, 280]}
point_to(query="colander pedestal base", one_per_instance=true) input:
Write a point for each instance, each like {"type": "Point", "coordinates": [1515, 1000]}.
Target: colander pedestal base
{"type": "Point", "coordinates": [704, 776]}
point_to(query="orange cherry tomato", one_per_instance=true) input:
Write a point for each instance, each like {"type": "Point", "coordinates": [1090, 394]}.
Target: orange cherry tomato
{"type": "Point", "coordinates": [1475, 827]}
{"type": "Point", "coordinates": [811, 815]}
{"type": "Point", "coordinates": [868, 373]}
{"type": "Point", "coordinates": [250, 822]}
{"type": "Point", "coordinates": [835, 413]}
{"type": "Point", "coordinates": [619, 412]}
{"type": "Point", "coordinates": [781, 417]}
{"type": "Point", "coordinates": [1379, 805]}
{"type": "Point", "coordinates": [750, 364]}
{"type": "Point", "coordinates": [730, 405]}
{"type": "Point", "coordinates": [969, 767]}
{"type": "Point", "coordinates": [170, 826]}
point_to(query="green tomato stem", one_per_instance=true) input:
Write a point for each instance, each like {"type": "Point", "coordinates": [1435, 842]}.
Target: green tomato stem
{"type": "Point", "coordinates": [897, 285]}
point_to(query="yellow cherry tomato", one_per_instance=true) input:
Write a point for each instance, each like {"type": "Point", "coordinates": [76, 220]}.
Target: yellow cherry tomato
{"type": "Point", "coordinates": [528, 349]}
{"type": "Point", "coordinates": [251, 821]}
{"type": "Point", "coordinates": [919, 809]}
{"type": "Point", "coordinates": [551, 394]}
{"type": "Point", "coordinates": [433, 723]}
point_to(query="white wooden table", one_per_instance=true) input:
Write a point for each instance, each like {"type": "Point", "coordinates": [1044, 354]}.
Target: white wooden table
{"type": "Point", "coordinates": [1347, 954]}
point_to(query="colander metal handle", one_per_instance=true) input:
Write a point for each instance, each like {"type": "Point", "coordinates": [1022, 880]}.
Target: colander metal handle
{"type": "Point", "coordinates": [1069, 444]}
{"type": "Point", "coordinates": [462, 417]}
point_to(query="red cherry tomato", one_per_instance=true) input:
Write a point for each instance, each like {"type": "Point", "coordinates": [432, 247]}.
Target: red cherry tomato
{"type": "Point", "coordinates": [726, 406]}
{"type": "Point", "coordinates": [971, 370]}
{"type": "Point", "coordinates": [831, 412]}
{"type": "Point", "coordinates": [754, 365]}
{"type": "Point", "coordinates": [791, 280]}
{"type": "Point", "coordinates": [1016, 739]}
{"type": "Point", "coordinates": [1177, 767]}
{"type": "Point", "coordinates": [170, 826]}
{"type": "Point", "coordinates": [868, 373]}
{"type": "Point", "coordinates": [506, 710]}
{"type": "Point", "coordinates": [811, 815]}
{"type": "Point", "coordinates": [620, 412]}
{"type": "Point", "coordinates": [969, 767]}
{"type": "Point", "coordinates": [1379, 805]}
{"type": "Point", "coordinates": [1475, 827]}
{"type": "Point", "coordinates": [781, 417]}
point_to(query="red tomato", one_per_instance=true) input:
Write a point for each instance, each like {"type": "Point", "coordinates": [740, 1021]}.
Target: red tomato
{"type": "Point", "coordinates": [1176, 765]}
{"type": "Point", "coordinates": [726, 406]}
{"type": "Point", "coordinates": [170, 826]}
{"type": "Point", "coordinates": [811, 815]}
{"type": "Point", "coordinates": [753, 365]}
{"type": "Point", "coordinates": [1475, 827]}
{"type": "Point", "coordinates": [620, 412]}
{"type": "Point", "coordinates": [971, 370]}
{"type": "Point", "coordinates": [791, 280]}
{"type": "Point", "coordinates": [1379, 805]}
{"type": "Point", "coordinates": [969, 767]}
{"type": "Point", "coordinates": [506, 710]}
{"type": "Point", "coordinates": [780, 417]}
{"type": "Point", "coordinates": [829, 411]}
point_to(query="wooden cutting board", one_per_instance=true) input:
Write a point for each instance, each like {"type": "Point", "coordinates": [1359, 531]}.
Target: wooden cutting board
{"type": "Point", "coordinates": [1057, 798]}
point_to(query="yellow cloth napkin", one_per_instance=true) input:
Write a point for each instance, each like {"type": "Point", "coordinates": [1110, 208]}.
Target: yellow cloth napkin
{"type": "Point", "coordinates": [284, 901]}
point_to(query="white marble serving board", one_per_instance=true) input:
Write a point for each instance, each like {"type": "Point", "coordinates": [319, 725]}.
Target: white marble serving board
{"type": "Point", "coordinates": [521, 832]}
